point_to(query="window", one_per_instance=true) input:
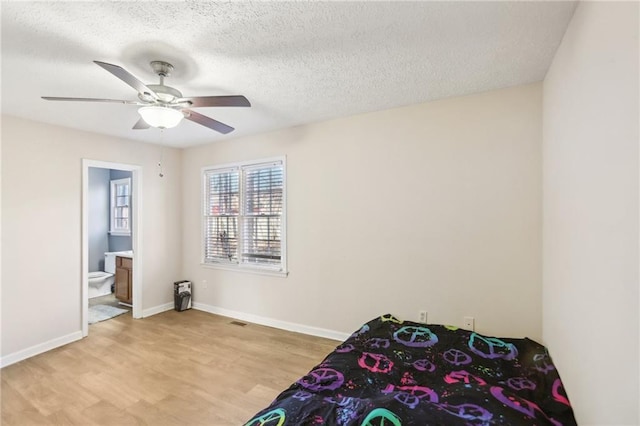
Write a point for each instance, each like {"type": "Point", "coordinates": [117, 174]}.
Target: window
{"type": "Point", "coordinates": [120, 207]}
{"type": "Point", "coordinates": [244, 220]}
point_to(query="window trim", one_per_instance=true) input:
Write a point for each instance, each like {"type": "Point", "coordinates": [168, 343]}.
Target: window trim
{"type": "Point", "coordinates": [112, 205]}
{"type": "Point", "coordinates": [239, 266]}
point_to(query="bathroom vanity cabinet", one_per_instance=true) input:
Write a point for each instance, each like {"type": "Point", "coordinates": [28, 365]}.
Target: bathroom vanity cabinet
{"type": "Point", "coordinates": [124, 275]}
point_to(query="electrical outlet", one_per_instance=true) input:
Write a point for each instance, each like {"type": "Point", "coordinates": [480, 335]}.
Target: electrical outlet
{"type": "Point", "coordinates": [204, 284]}
{"type": "Point", "coordinates": [422, 316]}
{"type": "Point", "coordinates": [469, 323]}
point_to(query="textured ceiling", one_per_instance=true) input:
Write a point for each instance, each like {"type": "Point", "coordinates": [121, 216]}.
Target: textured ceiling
{"type": "Point", "coordinates": [297, 62]}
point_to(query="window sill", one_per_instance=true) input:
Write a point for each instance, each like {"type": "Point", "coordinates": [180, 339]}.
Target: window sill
{"type": "Point", "coordinates": [119, 234]}
{"type": "Point", "coordinates": [249, 269]}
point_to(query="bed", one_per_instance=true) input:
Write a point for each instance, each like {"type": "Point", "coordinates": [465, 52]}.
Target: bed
{"type": "Point", "coordinates": [392, 372]}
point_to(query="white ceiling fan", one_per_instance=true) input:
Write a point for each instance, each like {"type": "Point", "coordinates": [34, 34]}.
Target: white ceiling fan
{"type": "Point", "coordinates": [164, 106]}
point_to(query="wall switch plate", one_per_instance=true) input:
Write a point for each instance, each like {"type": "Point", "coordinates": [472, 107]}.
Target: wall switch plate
{"type": "Point", "coordinates": [204, 284]}
{"type": "Point", "coordinates": [422, 316]}
{"type": "Point", "coordinates": [469, 323]}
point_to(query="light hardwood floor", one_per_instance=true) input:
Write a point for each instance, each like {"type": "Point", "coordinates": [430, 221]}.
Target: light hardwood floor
{"type": "Point", "coordinates": [174, 368]}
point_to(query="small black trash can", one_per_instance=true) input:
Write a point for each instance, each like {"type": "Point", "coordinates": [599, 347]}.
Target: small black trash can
{"type": "Point", "coordinates": [182, 295]}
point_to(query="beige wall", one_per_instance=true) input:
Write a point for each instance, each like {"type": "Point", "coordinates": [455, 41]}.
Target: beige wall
{"type": "Point", "coordinates": [434, 206]}
{"type": "Point", "coordinates": [590, 317]}
{"type": "Point", "coordinates": [41, 226]}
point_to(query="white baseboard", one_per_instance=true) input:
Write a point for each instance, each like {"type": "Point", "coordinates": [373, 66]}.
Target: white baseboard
{"type": "Point", "coordinates": [270, 322]}
{"type": "Point", "coordinates": [157, 309]}
{"type": "Point", "coordinates": [39, 348]}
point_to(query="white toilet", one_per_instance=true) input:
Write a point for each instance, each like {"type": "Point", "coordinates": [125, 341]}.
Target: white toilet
{"type": "Point", "coordinates": [100, 281]}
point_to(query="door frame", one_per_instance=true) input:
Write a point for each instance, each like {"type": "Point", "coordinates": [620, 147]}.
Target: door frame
{"type": "Point", "coordinates": [136, 235]}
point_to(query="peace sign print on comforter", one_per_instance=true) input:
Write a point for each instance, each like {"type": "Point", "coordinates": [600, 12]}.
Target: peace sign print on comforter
{"type": "Point", "coordinates": [393, 372]}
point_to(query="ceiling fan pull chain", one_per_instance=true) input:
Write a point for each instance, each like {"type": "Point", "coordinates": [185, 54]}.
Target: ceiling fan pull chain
{"type": "Point", "coordinates": [161, 153]}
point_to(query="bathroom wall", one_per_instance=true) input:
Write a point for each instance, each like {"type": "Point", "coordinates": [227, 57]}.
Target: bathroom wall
{"type": "Point", "coordinates": [120, 242]}
{"type": "Point", "coordinates": [98, 217]}
{"type": "Point", "coordinates": [100, 241]}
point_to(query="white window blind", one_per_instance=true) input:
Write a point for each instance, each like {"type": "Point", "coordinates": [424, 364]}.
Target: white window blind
{"type": "Point", "coordinates": [244, 215]}
{"type": "Point", "coordinates": [261, 240]}
{"type": "Point", "coordinates": [222, 205]}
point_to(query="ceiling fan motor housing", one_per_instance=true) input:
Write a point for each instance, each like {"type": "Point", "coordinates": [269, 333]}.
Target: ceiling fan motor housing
{"type": "Point", "coordinates": [165, 93]}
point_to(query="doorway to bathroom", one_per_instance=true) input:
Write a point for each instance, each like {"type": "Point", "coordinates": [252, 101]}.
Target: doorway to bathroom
{"type": "Point", "coordinates": [111, 240]}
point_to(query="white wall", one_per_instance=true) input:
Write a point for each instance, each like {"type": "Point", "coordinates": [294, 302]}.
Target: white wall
{"type": "Point", "coordinates": [41, 225]}
{"type": "Point", "coordinates": [590, 160]}
{"type": "Point", "coordinates": [434, 206]}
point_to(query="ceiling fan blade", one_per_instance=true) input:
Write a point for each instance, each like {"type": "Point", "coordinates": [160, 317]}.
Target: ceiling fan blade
{"type": "Point", "coordinates": [216, 101]}
{"type": "Point", "coordinates": [207, 122]}
{"type": "Point", "coordinates": [118, 101]}
{"type": "Point", "coordinates": [128, 78]}
{"type": "Point", "coordinates": [141, 125]}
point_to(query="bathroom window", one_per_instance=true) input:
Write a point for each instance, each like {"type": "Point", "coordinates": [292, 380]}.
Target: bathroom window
{"type": "Point", "coordinates": [121, 207]}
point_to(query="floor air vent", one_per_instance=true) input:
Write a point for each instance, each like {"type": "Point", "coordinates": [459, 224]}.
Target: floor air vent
{"type": "Point", "coordinates": [238, 323]}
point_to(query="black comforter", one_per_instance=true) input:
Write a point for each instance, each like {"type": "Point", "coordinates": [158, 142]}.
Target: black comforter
{"type": "Point", "coordinates": [394, 372]}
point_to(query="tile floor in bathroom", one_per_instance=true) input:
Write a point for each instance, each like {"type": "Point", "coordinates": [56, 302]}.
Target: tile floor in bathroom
{"type": "Point", "coordinates": [109, 299]}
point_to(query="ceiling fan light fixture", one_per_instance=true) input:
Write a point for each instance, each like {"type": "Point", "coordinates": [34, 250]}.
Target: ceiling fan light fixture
{"type": "Point", "coordinates": [159, 116]}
